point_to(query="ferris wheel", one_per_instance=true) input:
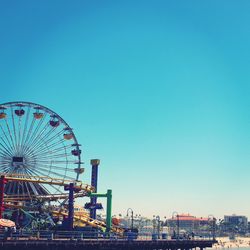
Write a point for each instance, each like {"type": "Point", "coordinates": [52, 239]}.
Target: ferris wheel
{"type": "Point", "coordinates": [35, 141]}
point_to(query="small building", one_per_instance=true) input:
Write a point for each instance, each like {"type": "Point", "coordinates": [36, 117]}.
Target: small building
{"type": "Point", "coordinates": [187, 222]}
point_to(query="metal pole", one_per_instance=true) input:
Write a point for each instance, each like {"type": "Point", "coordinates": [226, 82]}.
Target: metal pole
{"type": "Point", "coordinates": [132, 217]}
{"type": "Point", "coordinates": [178, 226]}
{"type": "Point", "coordinates": [109, 210]}
{"type": "Point", "coordinates": [2, 183]}
{"type": "Point", "coordinates": [71, 206]}
{"type": "Point", "coordinates": [132, 214]}
{"type": "Point", "coordinates": [214, 228]}
{"type": "Point", "coordinates": [94, 178]}
{"type": "Point", "coordinates": [158, 225]}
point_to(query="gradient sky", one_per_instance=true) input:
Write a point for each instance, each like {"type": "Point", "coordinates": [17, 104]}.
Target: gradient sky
{"type": "Point", "coordinates": [158, 90]}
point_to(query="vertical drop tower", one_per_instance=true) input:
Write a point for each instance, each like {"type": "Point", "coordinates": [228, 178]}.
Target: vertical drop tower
{"type": "Point", "coordinates": [93, 205]}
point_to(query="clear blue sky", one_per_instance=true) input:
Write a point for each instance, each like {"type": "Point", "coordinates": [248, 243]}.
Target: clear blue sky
{"type": "Point", "coordinates": [158, 90]}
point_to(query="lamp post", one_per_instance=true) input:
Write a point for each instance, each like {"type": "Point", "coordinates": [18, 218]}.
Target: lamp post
{"type": "Point", "coordinates": [146, 224]}
{"type": "Point", "coordinates": [138, 218]}
{"type": "Point", "coordinates": [158, 220]}
{"type": "Point", "coordinates": [211, 217]}
{"type": "Point", "coordinates": [177, 223]}
{"type": "Point", "coordinates": [132, 216]}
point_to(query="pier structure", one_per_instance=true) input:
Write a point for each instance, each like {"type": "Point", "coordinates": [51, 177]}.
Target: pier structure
{"type": "Point", "coordinates": [28, 184]}
{"type": "Point", "coordinates": [107, 244]}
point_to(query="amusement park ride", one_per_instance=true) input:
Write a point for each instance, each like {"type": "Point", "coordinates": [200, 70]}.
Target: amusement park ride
{"type": "Point", "coordinates": [40, 168]}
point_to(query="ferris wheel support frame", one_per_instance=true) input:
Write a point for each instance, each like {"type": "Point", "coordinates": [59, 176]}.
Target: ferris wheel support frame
{"type": "Point", "coordinates": [3, 181]}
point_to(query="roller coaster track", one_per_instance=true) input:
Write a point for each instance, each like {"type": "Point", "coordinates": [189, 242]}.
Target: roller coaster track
{"type": "Point", "coordinates": [91, 222]}
{"type": "Point", "coordinates": [49, 197]}
{"type": "Point", "coordinates": [47, 180]}
{"type": "Point", "coordinates": [82, 190]}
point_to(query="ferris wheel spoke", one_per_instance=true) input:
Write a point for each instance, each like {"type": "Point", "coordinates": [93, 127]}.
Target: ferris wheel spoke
{"type": "Point", "coordinates": [4, 169]}
{"type": "Point", "coordinates": [47, 151]}
{"type": "Point", "coordinates": [51, 152]}
{"type": "Point", "coordinates": [28, 191]}
{"type": "Point", "coordinates": [62, 155]}
{"type": "Point", "coordinates": [25, 126]}
{"type": "Point", "coordinates": [46, 140]}
{"type": "Point", "coordinates": [5, 166]}
{"type": "Point", "coordinates": [49, 171]}
{"type": "Point", "coordinates": [4, 150]}
{"type": "Point", "coordinates": [4, 163]}
{"type": "Point", "coordinates": [45, 188]}
{"type": "Point", "coordinates": [19, 134]}
{"type": "Point", "coordinates": [14, 187]}
{"type": "Point", "coordinates": [31, 172]}
{"type": "Point", "coordinates": [49, 160]}
{"type": "Point", "coordinates": [14, 130]}
{"type": "Point", "coordinates": [40, 140]}
{"type": "Point", "coordinates": [28, 134]}
{"type": "Point", "coordinates": [7, 139]}
{"type": "Point", "coordinates": [40, 171]}
{"type": "Point", "coordinates": [56, 188]}
{"type": "Point", "coordinates": [52, 161]}
{"type": "Point", "coordinates": [63, 148]}
{"type": "Point", "coordinates": [55, 136]}
{"type": "Point", "coordinates": [56, 174]}
{"type": "Point", "coordinates": [50, 147]}
{"type": "Point", "coordinates": [11, 136]}
{"type": "Point", "coordinates": [34, 188]}
{"type": "Point", "coordinates": [8, 188]}
{"type": "Point", "coordinates": [57, 167]}
{"type": "Point", "coordinates": [28, 145]}
{"type": "Point", "coordinates": [35, 172]}
{"type": "Point", "coordinates": [20, 188]}
{"type": "Point", "coordinates": [20, 171]}
{"type": "Point", "coordinates": [6, 146]}
{"type": "Point", "coordinates": [35, 134]}
{"type": "Point", "coordinates": [52, 156]}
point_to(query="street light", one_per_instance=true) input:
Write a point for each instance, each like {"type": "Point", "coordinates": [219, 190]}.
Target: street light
{"type": "Point", "coordinates": [138, 220]}
{"type": "Point", "coordinates": [213, 224]}
{"type": "Point", "coordinates": [132, 216]}
{"type": "Point", "coordinates": [178, 223]}
{"type": "Point", "coordinates": [158, 219]}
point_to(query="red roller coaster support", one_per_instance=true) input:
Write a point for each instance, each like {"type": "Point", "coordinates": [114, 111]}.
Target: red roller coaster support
{"type": "Point", "coordinates": [3, 181]}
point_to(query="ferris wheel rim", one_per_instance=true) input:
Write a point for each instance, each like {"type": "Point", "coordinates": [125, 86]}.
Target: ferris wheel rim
{"type": "Point", "coordinates": [43, 108]}
{"type": "Point", "coordinates": [49, 111]}
{"type": "Point", "coordinates": [28, 106]}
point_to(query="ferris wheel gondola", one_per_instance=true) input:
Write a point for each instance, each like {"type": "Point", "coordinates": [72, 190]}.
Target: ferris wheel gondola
{"type": "Point", "coordinates": [35, 141]}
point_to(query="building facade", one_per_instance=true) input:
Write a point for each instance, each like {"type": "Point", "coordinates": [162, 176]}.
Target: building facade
{"type": "Point", "coordinates": [236, 223]}
{"type": "Point", "coordinates": [187, 222]}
